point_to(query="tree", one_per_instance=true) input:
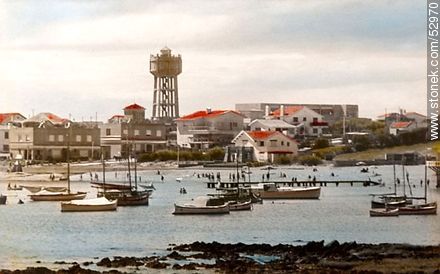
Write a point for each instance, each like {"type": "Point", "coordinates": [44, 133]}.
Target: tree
{"type": "Point", "coordinates": [320, 143]}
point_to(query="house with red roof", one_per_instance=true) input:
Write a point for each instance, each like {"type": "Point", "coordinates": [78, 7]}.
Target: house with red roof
{"type": "Point", "coordinates": [267, 146]}
{"type": "Point", "coordinates": [400, 127]}
{"type": "Point", "coordinates": [11, 117]}
{"type": "Point", "coordinates": [307, 121]}
{"type": "Point", "coordinates": [208, 128]}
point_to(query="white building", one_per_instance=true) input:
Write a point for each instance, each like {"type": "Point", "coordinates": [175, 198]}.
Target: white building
{"type": "Point", "coordinates": [6, 119]}
{"type": "Point", "coordinates": [267, 145]}
{"type": "Point", "coordinates": [208, 128]}
{"type": "Point", "coordinates": [307, 121]}
{"type": "Point", "coordinates": [400, 127]}
{"type": "Point", "coordinates": [273, 125]}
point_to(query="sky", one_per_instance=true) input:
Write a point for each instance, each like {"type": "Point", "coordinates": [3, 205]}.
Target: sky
{"type": "Point", "coordinates": [88, 58]}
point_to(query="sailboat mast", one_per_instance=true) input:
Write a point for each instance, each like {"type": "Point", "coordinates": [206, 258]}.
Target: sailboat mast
{"type": "Point", "coordinates": [426, 185]}
{"type": "Point", "coordinates": [68, 158]}
{"type": "Point", "coordinates": [135, 174]}
{"type": "Point", "coordinates": [403, 174]}
{"type": "Point", "coordinates": [394, 173]}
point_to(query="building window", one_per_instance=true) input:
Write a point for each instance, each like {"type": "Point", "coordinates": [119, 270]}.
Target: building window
{"type": "Point", "coordinates": [158, 133]}
{"type": "Point", "coordinates": [125, 131]}
{"type": "Point", "coordinates": [136, 132]}
{"type": "Point", "coordinates": [6, 135]}
{"type": "Point", "coordinates": [108, 131]}
{"type": "Point", "coordinates": [51, 138]}
{"type": "Point", "coordinates": [148, 132]}
{"type": "Point", "coordinates": [60, 138]}
{"type": "Point", "coordinates": [288, 144]}
{"type": "Point", "coordinates": [89, 138]}
{"type": "Point", "coordinates": [261, 143]}
{"type": "Point", "coordinates": [27, 138]}
{"type": "Point", "coordinates": [295, 119]}
{"type": "Point", "coordinates": [315, 130]}
{"type": "Point", "coordinates": [315, 120]}
{"type": "Point", "coordinates": [273, 143]}
{"type": "Point", "coordinates": [5, 148]}
{"type": "Point", "coordinates": [78, 138]}
{"type": "Point", "coordinates": [304, 119]}
{"type": "Point", "coordinates": [282, 143]}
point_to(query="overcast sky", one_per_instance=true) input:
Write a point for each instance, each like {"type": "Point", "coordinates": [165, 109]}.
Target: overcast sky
{"type": "Point", "coordinates": [83, 57]}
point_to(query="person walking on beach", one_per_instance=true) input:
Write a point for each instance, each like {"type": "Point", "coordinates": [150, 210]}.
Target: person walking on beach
{"type": "Point", "coordinates": [162, 178]}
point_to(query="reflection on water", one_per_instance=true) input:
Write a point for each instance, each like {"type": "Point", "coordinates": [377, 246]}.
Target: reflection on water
{"type": "Point", "coordinates": [39, 231]}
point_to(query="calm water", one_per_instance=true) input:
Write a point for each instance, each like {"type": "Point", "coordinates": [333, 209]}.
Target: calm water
{"type": "Point", "coordinates": [39, 231]}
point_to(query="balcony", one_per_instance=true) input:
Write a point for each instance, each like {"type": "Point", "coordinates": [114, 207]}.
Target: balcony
{"type": "Point", "coordinates": [318, 124]}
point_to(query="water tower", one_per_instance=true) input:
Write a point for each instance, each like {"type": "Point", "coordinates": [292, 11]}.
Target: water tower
{"type": "Point", "coordinates": [165, 68]}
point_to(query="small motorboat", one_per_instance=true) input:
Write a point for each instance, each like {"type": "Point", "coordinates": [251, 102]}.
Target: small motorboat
{"type": "Point", "coordinates": [384, 212]}
{"type": "Point", "coordinates": [203, 205]}
{"type": "Point", "coordinates": [96, 204]}
{"type": "Point", "coordinates": [179, 179]}
{"type": "Point", "coordinates": [236, 206]}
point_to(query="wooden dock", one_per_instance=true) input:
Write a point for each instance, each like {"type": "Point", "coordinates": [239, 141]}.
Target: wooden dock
{"type": "Point", "coordinates": [293, 184]}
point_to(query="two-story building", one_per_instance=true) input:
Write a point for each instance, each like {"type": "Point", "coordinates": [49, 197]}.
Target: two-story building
{"type": "Point", "coordinates": [306, 121]}
{"type": "Point", "coordinates": [267, 146]}
{"type": "Point", "coordinates": [208, 128]}
{"type": "Point", "coordinates": [47, 137]}
{"type": "Point", "coordinates": [132, 132]}
{"type": "Point", "coordinates": [6, 121]}
{"type": "Point", "coordinates": [273, 125]}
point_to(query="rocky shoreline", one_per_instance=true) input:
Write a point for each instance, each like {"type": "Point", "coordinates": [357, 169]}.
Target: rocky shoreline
{"type": "Point", "coordinates": [313, 257]}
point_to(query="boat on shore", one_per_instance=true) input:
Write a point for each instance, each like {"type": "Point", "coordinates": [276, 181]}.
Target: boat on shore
{"type": "Point", "coordinates": [271, 191]}
{"type": "Point", "coordinates": [385, 212]}
{"type": "Point", "coordinates": [203, 205]}
{"type": "Point", "coordinates": [96, 204]}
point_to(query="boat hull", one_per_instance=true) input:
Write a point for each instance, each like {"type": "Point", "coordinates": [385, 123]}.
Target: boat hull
{"type": "Point", "coordinates": [58, 197]}
{"type": "Point", "coordinates": [180, 210]}
{"type": "Point", "coordinates": [133, 200]}
{"type": "Point", "coordinates": [305, 193]}
{"type": "Point", "coordinates": [240, 206]}
{"type": "Point", "coordinates": [69, 207]}
{"type": "Point", "coordinates": [384, 212]}
{"type": "Point", "coordinates": [424, 209]}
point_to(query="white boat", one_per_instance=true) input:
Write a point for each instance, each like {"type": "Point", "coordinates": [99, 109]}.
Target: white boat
{"type": "Point", "coordinates": [96, 204]}
{"type": "Point", "coordinates": [271, 191]}
{"type": "Point", "coordinates": [179, 179]}
{"type": "Point", "coordinates": [384, 212]}
{"type": "Point", "coordinates": [236, 206]}
{"type": "Point", "coordinates": [202, 205]}
{"type": "Point", "coordinates": [45, 195]}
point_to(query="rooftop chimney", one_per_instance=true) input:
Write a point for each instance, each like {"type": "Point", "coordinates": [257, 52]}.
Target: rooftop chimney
{"type": "Point", "coordinates": [266, 113]}
{"type": "Point", "coordinates": [208, 110]}
{"type": "Point", "coordinates": [281, 112]}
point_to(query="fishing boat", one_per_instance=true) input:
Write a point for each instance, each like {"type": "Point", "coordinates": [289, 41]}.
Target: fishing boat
{"type": "Point", "coordinates": [419, 209]}
{"type": "Point", "coordinates": [236, 205]}
{"type": "Point", "coordinates": [32, 189]}
{"type": "Point", "coordinates": [271, 191]}
{"type": "Point", "coordinates": [96, 204]}
{"type": "Point", "coordinates": [45, 195]}
{"type": "Point", "coordinates": [390, 201]}
{"type": "Point", "coordinates": [3, 199]}
{"type": "Point", "coordinates": [385, 212]}
{"type": "Point", "coordinates": [202, 205]}
{"type": "Point", "coordinates": [423, 208]}
{"type": "Point", "coordinates": [126, 195]}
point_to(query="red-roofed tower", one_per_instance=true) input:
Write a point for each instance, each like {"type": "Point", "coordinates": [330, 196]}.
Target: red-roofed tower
{"type": "Point", "coordinates": [165, 67]}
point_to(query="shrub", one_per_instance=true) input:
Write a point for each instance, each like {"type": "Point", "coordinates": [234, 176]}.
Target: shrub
{"type": "Point", "coordinates": [310, 160]}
